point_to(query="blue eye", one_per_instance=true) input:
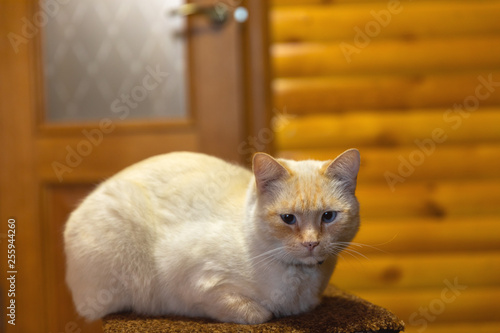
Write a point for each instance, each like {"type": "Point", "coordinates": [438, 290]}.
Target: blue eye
{"type": "Point", "coordinates": [288, 218]}
{"type": "Point", "coordinates": [329, 217]}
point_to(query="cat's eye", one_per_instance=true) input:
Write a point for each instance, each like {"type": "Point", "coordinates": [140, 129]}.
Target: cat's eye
{"type": "Point", "coordinates": [288, 218]}
{"type": "Point", "coordinates": [328, 217]}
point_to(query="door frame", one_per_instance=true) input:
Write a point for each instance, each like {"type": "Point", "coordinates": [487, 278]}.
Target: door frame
{"type": "Point", "coordinates": [23, 135]}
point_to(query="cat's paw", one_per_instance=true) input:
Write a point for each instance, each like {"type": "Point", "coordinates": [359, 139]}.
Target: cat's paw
{"type": "Point", "coordinates": [256, 314]}
{"type": "Point", "coordinates": [239, 309]}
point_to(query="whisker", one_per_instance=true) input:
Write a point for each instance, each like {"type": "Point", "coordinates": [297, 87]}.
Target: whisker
{"type": "Point", "coordinates": [354, 252]}
{"type": "Point", "coordinates": [390, 240]}
{"type": "Point", "coordinates": [267, 252]}
{"type": "Point", "coordinates": [267, 257]}
{"type": "Point", "coordinates": [351, 262]}
{"type": "Point", "coordinates": [342, 255]}
{"type": "Point", "coordinates": [375, 246]}
{"type": "Point", "coordinates": [337, 249]}
{"type": "Point", "coordinates": [361, 245]}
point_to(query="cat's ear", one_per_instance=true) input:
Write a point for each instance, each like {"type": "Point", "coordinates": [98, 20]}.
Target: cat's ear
{"type": "Point", "coordinates": [267, 171]}
{"type": "Point", "coordinates": [345, 169]}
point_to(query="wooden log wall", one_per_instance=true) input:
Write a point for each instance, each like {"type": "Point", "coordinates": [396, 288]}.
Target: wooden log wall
{"type": "Point", "coordinates": [415, 86]}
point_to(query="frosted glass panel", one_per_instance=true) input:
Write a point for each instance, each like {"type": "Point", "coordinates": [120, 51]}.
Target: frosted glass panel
{"type": "Point", "coordinates": [118, 59]}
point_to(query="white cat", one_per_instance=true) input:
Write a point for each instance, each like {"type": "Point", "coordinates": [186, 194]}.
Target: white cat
{"type": "Point", "coordinates": [189, 234]}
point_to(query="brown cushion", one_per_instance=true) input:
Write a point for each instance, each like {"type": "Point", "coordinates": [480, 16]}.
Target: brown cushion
{"type": "Point", "coordinates": [339, 312]}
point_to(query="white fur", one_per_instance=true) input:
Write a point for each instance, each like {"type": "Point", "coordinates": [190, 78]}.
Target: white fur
{"type": "Point", "coordinates": [180, 234]}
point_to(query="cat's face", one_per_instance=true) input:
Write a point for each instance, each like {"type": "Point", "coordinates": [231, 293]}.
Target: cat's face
{"type": "Point", "coordinates": [308, 210]}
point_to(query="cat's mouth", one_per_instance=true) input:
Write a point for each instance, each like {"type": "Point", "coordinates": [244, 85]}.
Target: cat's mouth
{"type": "Point", "coordinates": [306, 258]}
{"type": "Point", "coordinates": [312, 261]}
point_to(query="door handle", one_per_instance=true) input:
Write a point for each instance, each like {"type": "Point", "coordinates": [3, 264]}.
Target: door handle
{"type": "Point", "coordinates": [217, 13]}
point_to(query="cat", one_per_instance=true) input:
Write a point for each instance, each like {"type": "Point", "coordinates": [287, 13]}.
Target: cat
{"type": "Point", "coordinates": [190, 234]}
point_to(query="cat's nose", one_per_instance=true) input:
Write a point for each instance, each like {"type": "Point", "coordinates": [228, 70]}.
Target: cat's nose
{"type": "Point", "coordinates": [310, 245]}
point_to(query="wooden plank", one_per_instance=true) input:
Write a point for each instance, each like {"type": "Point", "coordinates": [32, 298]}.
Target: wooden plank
{"type": "Point", "coordinates": [306, 95]}
{"type": "Point", "coordinates": [430, 200]}
{"type": "Point", "coordinates": [439, 55]}
{"type": "Point", "coordinates": [416, 271]}
{"type": "Point", "coordinates": [478, 161]}
{"type": "Point", "coordinates": [470, 305]}
{"type": "Point", "coordinates": [426, 235]}
{"type": "Point", "coordinates": [405, 20]}
{"type": "Point", "coordinates": [368, 129]}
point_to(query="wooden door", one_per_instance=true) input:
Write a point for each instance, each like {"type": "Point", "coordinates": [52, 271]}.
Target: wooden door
{"type": "Point", "coordinates": [47, 167]}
